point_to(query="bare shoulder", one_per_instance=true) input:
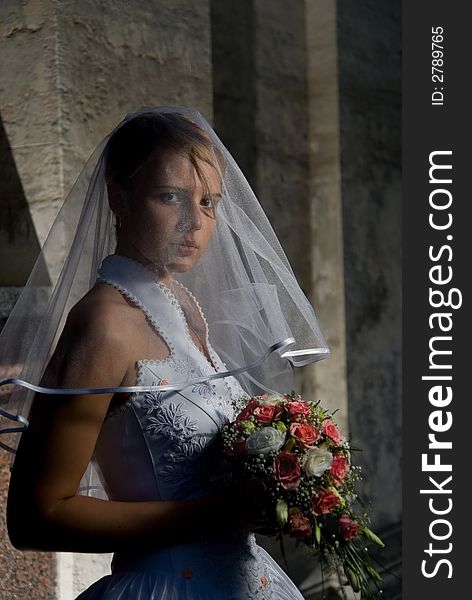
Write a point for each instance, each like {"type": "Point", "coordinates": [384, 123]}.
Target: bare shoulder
{"type": "Point", "coordinates": [97, 342]}
{"type": "Point", "coordinates": [114, 331]}
{"type": "Point", "coordinates": [104, 314]}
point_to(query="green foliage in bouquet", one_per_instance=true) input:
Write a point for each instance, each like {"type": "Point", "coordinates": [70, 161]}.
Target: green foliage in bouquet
{"type": "Point", "coordinates": [290, 455]}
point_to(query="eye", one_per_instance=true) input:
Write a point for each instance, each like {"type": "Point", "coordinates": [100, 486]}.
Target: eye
{"type": "Point", "coordinates": [210, 201]}
{"type": "Point", "coordinates": [209, 205]}
{"type": "Point", "coordinates": [170, 197]}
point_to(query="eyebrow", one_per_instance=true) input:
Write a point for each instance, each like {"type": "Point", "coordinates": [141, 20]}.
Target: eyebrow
{"type": "Point", "coordinates": [184, 190]}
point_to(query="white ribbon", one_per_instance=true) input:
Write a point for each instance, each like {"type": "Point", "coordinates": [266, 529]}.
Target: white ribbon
{"type": "Point", "coordinates": [279, 347]}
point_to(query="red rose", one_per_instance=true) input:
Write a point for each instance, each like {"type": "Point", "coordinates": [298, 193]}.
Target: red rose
{"type": "Point", "coordinates": [297, 410]}
{"type": "Point", "coordinates": [348, 528]}
{"type": "Point", "coordinates": [237, 449]}
{"type": "Point", "coordinates": [287, 470]}
{"type": "Point", "coordinates": [305, 433]}
{"type": "Point", "coordinates": [323, 502]}
{"type": "Point", "coordinates": [339, 468]}
{"type": "Point", "coordinates": [298, 524]}
{"type": "Point", "coordinates": [267, 413]}
{"type": "Point", "coordinates": [278, 408]}
{"type": "Point", "coordinates": [264, 414]}
{"type": "Point", "coordinates": [330, 430]}
{"type": "Point", "coordinates": [247, 411]}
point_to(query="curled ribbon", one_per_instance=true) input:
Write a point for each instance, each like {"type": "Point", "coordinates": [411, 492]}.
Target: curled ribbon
{"type": "Point", "coordinates": [279, 347]}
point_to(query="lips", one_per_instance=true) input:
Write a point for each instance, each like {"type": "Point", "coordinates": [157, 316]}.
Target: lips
{"type": "Point", "coordinates": [186, 248]}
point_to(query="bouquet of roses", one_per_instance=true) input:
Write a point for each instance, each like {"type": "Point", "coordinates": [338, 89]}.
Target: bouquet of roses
{"type": "Point", "coordinates": [290, 452]}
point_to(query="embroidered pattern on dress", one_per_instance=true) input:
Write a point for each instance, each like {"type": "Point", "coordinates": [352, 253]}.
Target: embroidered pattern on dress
{"type": "Point", "coordinates": [248, 578]}
{"type": "Point", "coordinates": [173, 422]}
{"type": "Point", "coordinates": [220, 405]}
{"type": "Point", "coordinates": [187, 367]}
{"type": "Point", "coordinates": [192, 469]}
{"type": "Point", "coordinates": [202, 389]}
{"type": "Point", "coordinates": [183, 477]}
{"type": "Point", "coordinates": [180, 452]}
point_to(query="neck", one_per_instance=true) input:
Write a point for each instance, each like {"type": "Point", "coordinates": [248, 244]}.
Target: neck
{"type": "Point", "coordinates": [125, 247]}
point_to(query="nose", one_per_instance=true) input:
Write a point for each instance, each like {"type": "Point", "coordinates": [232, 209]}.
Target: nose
{"type": "Point", "coordinates": [192, 216]}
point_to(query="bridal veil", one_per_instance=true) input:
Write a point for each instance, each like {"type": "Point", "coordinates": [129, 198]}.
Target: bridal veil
{"type": "Point", "coordinates": [260, 322]}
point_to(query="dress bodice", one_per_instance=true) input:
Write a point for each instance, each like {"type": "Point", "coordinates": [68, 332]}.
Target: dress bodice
{"type": "Point", "coordinates": [165, 441]}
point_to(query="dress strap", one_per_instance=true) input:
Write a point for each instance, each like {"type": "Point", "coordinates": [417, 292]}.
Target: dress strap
{"type": "Point", "coordinates": [137, 284]}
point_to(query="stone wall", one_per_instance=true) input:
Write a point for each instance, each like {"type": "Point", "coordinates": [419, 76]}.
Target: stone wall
{"type": "Point", "coordinates": [70, 71]}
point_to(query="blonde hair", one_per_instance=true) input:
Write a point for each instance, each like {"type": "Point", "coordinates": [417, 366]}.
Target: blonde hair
{"type": "Point", "coordinates": [132, 144]}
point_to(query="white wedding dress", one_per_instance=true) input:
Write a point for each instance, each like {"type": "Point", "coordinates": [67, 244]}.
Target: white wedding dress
{"type": "Point", "coordinates": [157, 446]}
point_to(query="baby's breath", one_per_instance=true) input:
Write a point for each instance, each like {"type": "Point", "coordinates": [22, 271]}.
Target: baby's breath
{"type": "Point", "coordinates": [325, 539]}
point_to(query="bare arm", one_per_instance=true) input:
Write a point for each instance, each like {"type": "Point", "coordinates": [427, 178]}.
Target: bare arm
{"type": "Point", "coordinates": [44, 512]}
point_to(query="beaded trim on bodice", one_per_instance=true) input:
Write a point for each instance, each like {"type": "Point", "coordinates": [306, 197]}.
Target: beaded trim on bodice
{"type": "Point", "coordinates": [181, 364]}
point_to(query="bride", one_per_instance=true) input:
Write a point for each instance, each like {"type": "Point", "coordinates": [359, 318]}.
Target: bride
{"type": "Point", "coordinates": [125, 355]}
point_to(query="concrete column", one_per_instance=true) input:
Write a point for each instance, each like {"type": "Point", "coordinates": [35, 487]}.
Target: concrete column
{"type": "Point", "coordinates": [326, 234]}
{"type": "Point", "coordinates": [369, 51]}
{"type": "Point", "coordinates": [275, 102]}
{"type": "Point", "coordinates": [31, 176]}
{"type": "Point", "coordinates": [326, 380]}
{"type": "Point", "coordinates": [69, 73]}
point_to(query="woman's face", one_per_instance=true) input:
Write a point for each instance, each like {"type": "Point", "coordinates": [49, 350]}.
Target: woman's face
{"type": "Point", "coordinates": [169, 215]}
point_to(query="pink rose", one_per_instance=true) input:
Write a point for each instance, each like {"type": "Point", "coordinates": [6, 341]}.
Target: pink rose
{"type": "Point", "coordinates": [264, 414]}
{"type": "Point", "coordinates": [330, 430]}
{"type": "Point", "coordinates": [287, 470]}
{"type": "Point", "coordinates": [348, 528]}
{"type": "Point", "coordinates": [305, 433]}
{"type": "Point", "coordinates": [298, 524]}
{"type": "Point", "coordinates": [339, 468]}
{"type": "Point", "coordinates": [323, 502]}
{"type": "Point", "coordinates": [297, 410]}
{"type": "Point", "coordinates": [278, 408]}
{"type": "Point", "coordinates": [247, 411]}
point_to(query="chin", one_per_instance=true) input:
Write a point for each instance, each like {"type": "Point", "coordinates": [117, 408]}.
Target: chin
{"type": "Point", "coordinates": [181, 266]}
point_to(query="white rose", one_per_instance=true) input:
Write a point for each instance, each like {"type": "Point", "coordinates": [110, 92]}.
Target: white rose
{"type": "Point", "coordinates": [270, 400]}
{"type": "Point", "coordinates": [265, 440]}
{"type": "Point", "coordinates": [317, 461]}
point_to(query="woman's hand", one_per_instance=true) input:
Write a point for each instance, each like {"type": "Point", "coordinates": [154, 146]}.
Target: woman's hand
{"type": "Point", "coordinates": [238, 508]}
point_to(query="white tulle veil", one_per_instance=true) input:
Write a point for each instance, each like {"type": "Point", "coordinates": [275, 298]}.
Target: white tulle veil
{"type": "Point", "coordinates": [259, 320]}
